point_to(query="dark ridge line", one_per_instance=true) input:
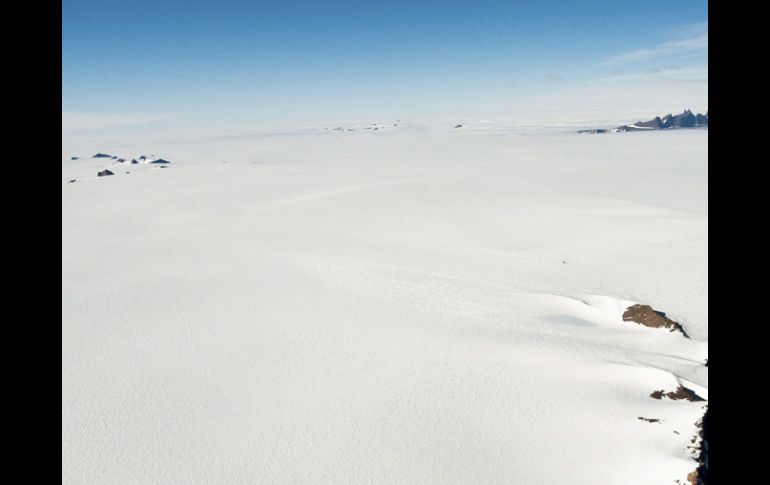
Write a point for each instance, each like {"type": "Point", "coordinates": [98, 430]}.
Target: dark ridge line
{"type": "Point", "coordinates": [650, 420]}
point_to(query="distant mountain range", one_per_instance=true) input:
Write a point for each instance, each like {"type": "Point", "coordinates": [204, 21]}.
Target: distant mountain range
{"type": "Point", "coordinates": [684, 120]}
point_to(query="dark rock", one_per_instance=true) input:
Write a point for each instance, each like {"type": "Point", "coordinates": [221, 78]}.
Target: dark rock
{"type": "Point", "coordinates": [74, 158]}
{"type": "Point", "coordinates": [649, 420]}
{"type": "Point", "coordinates": [160, 161]}
{"type": "Point", "coordinates": [458, 126]}
{"type": "Point", "coordinates": [678, 395]}
{"type": "Point", "coordinates": [655, 124]}
{"type": "Point", "coordinates": [72, 181]}
{"type": "Point", "coordinates": [104, 173]}
{"type": "Point", "coordinates": [142, 158]}
{"type": "Point", "coordinates": [121, 160]}
{"type": "Point", "coordinates": [701, 474]}
{"type": "Point", "coordinates": [102, 155]}
{"type": "Point", "coordinates": [645, 315]}
{"type": "Point", "coordinates": [684, 120]}
{"type": "Point", "coordinates": [133, 161]}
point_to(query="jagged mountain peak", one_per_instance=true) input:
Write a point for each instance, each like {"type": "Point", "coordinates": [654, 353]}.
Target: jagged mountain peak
{"type": "Point", "coordinates": [686, 119]}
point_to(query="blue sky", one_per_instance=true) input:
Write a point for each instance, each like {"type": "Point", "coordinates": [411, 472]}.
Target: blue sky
{"type": "Point", "coordinates": [301, 62]}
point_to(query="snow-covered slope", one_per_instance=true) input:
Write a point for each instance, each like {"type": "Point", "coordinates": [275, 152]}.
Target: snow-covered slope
{"type": "Point", "coordinates": [391, 307]}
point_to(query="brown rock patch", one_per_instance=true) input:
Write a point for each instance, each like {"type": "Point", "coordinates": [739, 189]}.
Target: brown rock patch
{"type": "Point", "coordinates": [647, 316]}
{"type": "Point", "coordinates": [700, 476]}
{"type": "Point", "coordinates": [692, 477]}
{"type": "Point", "coordinates": [680, 393]}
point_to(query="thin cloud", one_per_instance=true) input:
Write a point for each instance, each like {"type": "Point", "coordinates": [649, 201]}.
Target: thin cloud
{"type": "Point", "coordinates": [552, 78]}
{"type": "Point", "coordinates": [622, 98]}
{"type": "Point", "coordinates": [695, 42]}
{"type": "Point", "coordinates": [690, 30]}
{"type": "Point", "coordinates": [689, 75]}
{"type": "Point", "coordinates": [79, 121]}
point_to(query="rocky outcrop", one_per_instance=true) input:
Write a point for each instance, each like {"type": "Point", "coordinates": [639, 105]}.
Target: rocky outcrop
{"type": "Point", "coordinates": [686, 119]}
{"type": "Point", "coordinates": [104, 173]}
{"type": "Point", "coordinates": [596, 130]}
{"type": "Point", "coordinates": [647, 316]}
{"type": "Point", "coordinates": [701, 474]}
{"type": "Point", "coordinates": [681, 393]}
{"type": "Point", "coordinates": [655, 124]}
{"type": "Point", "coordinates": [649, 420]}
